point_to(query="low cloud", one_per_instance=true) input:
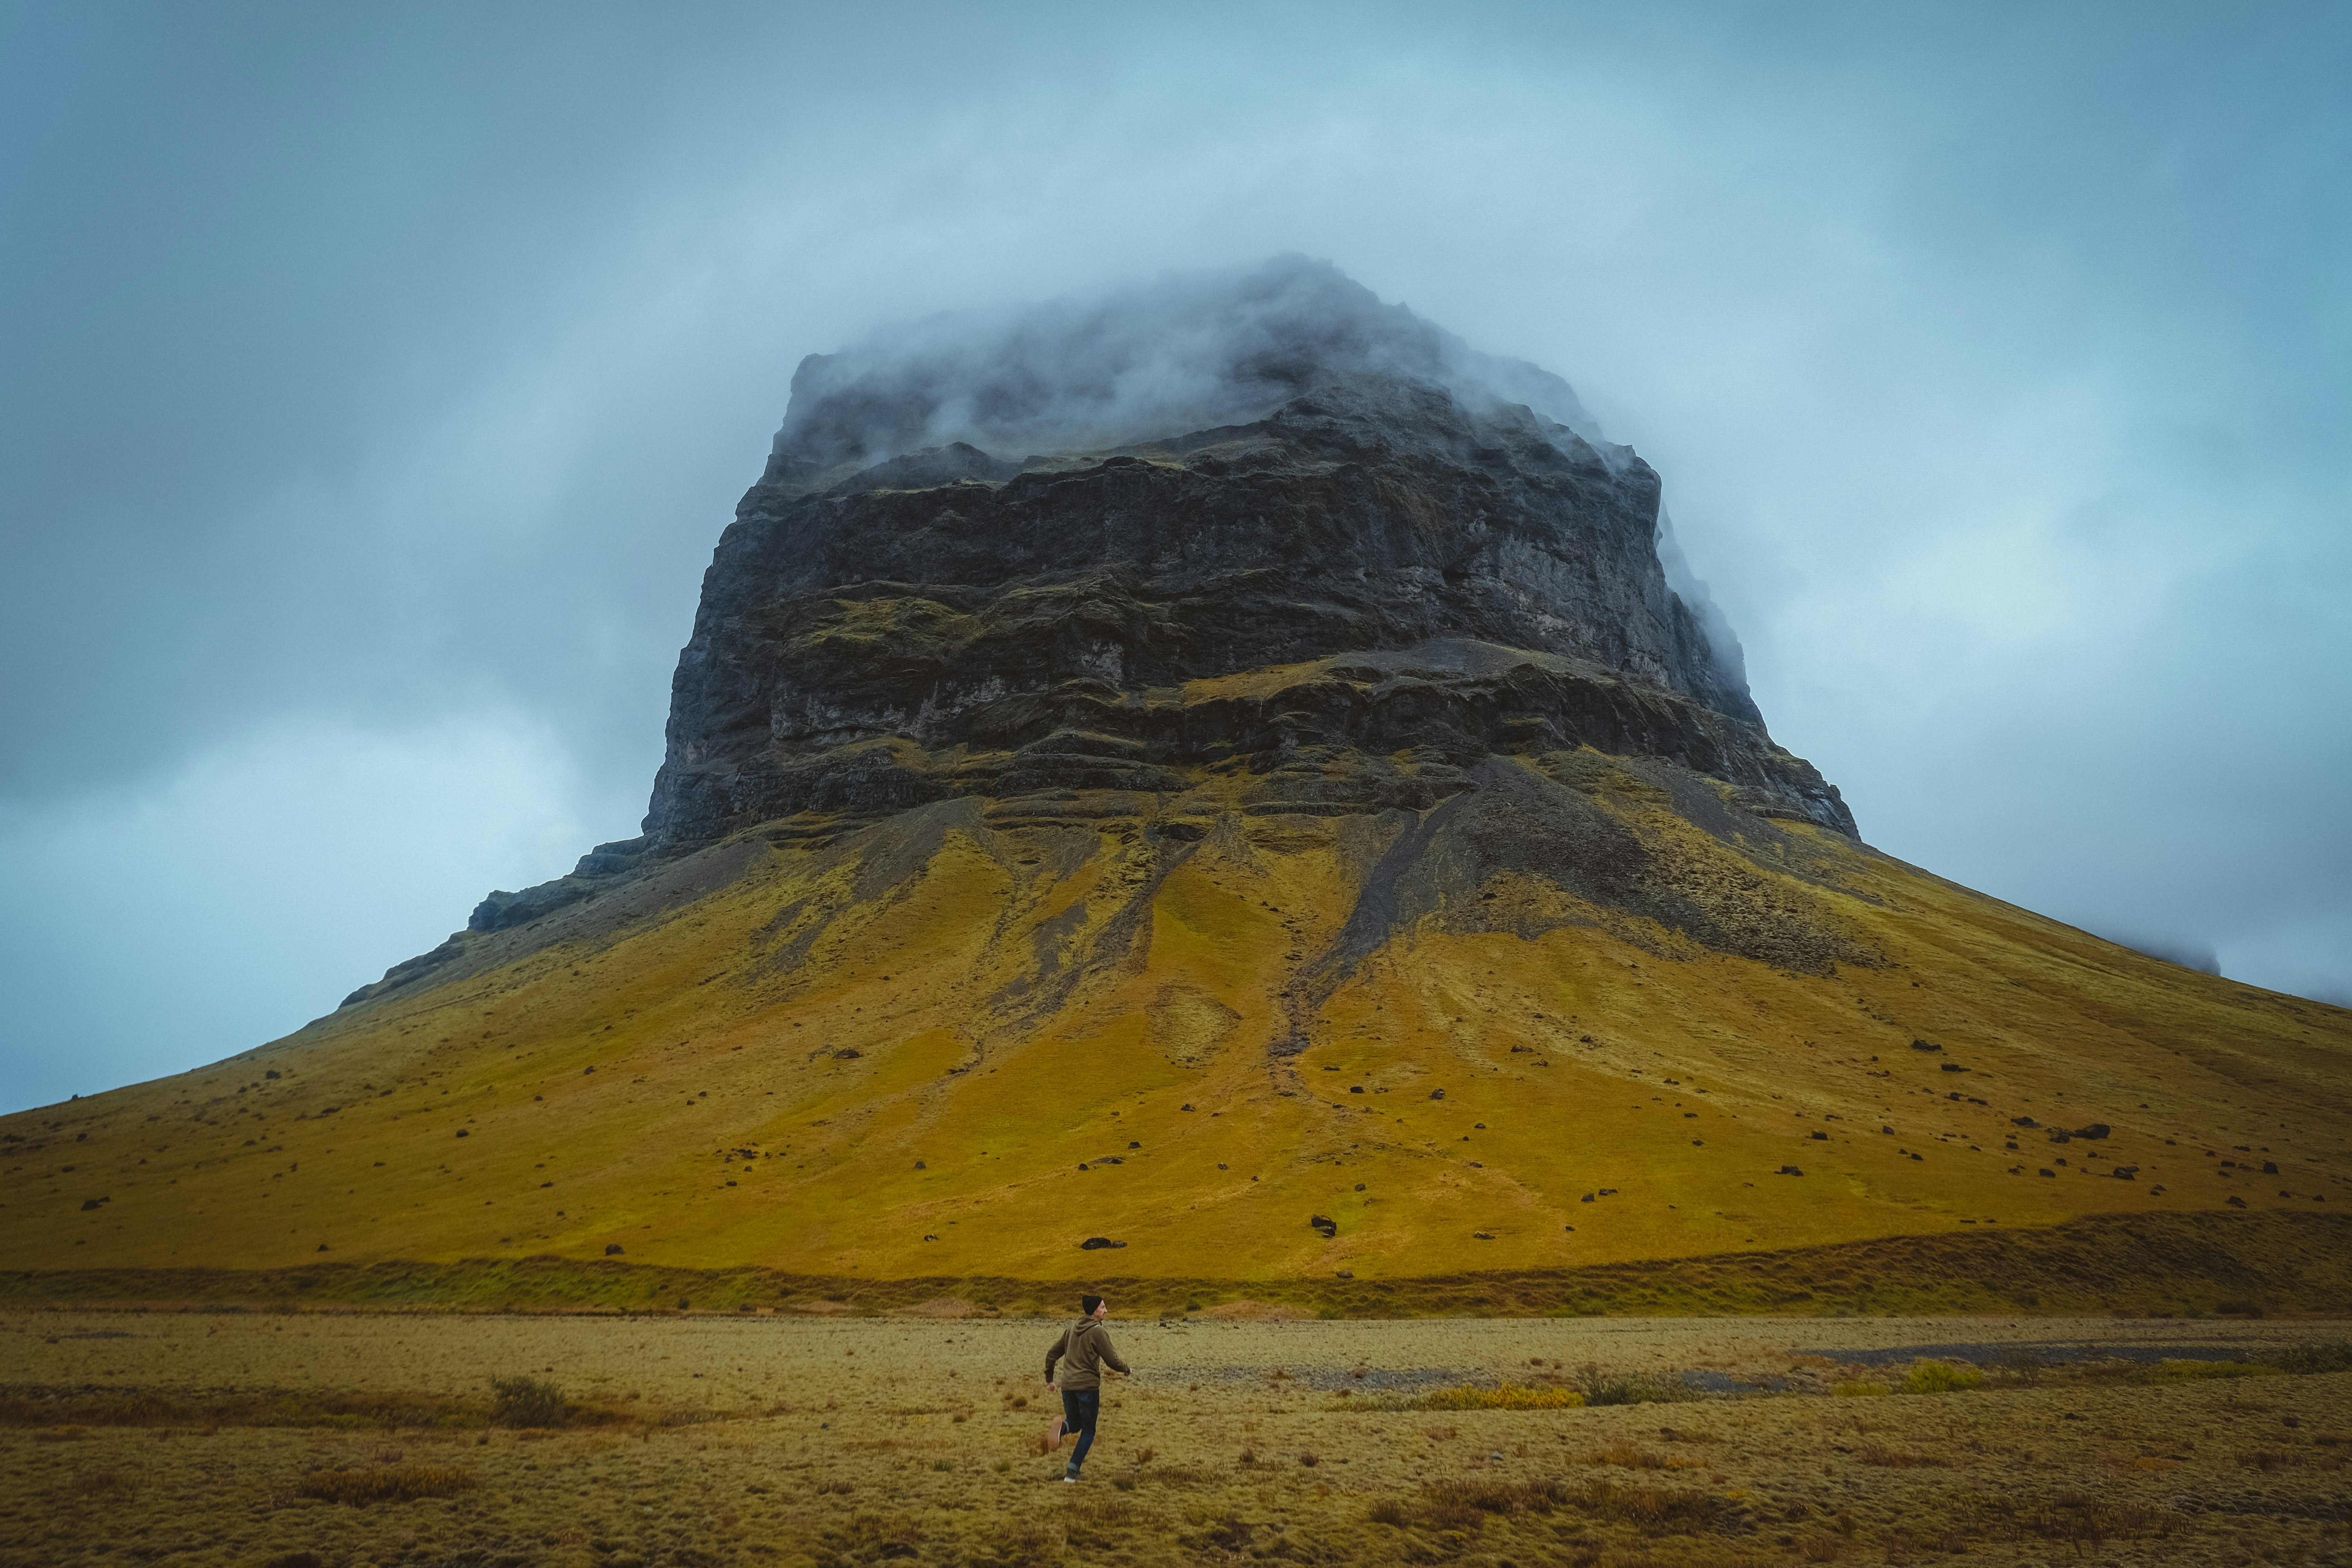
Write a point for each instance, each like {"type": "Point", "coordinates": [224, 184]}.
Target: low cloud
{"type": "Point", "coordinates": [1179, 353]}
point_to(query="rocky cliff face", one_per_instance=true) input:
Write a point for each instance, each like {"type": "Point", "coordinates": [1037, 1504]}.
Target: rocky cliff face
{"type": "Point", "coordinates": [1293, 543]}
{"type": "Point", "coordinates": [1404, 559]}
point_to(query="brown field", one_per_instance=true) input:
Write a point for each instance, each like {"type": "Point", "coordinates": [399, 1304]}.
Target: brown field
{"type": "Point", "coordinates": [345, 1438]}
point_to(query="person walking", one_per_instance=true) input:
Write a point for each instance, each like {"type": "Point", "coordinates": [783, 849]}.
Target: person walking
{"type": "Point", "coordinates": [1084, 1349]}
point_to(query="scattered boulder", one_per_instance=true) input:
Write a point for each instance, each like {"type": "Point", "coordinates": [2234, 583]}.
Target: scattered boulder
{"type": "Point", "coordinates": [1098, 1243]}
{"type": "Point", "coordinates": [2023, 1122]}
{"type": "Point", "coordinates": [1437, 1094]}
{"type": "Point", "coordinates": [1329, 1227]}
{"type": "Point", "coordinates": [614, 1249]}
{"type": "Point", "coordinates": [1788, 1171]}
{"type": "Point", "coordinates": [1482, 1236]}
{"type": "Point", "coordinates": [847, 1054]}
{"type": "Point", "coordinates": [2269, 1168]}
{"type": "Point", "coordinates": [1820, 1137]}
{"type": "Point", "coordinates": [1924, 1046]}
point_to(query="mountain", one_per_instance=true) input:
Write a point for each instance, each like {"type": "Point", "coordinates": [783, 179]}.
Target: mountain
{"type": "Point", "coordinates": [1215, 784]}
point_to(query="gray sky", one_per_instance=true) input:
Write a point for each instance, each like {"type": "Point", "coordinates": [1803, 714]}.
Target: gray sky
{"type": "Point", "coordinates": [374, 382]}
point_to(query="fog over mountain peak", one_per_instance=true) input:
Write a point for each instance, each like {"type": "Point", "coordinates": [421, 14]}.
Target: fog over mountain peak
{"type": "Point", "coordinates": [1180, 353]}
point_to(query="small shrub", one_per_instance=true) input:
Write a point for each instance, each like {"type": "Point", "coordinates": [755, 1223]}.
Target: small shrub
{"type": "Point", "coordinates": [398, 1483]}
{"type": "Point", "coordinates": [1145, 1456]}
{"type": "Point", "coordinates": [2083, 1520]}
{"type": "Point", "coordinates": [1226, 1535]}
{"type": "Point", "coordinates": [1939, 1377]}
{"type": "Point", "coordinates": [1627, 1457]}
{"type": "Point", "coordinates": [528, 1402]}
{"type": "Point", "coordinates": [1599, 1388]}
{"type": "Point", "coordinates": [1510, 1396]}
{"type": "Point", "coordinates": [1653, 1511]}
{"type": "Point", "coordinates": [1184, 1476]}
{"type": "Point", "coordinates": [2329, 1356]}
{"type": "Point", "coordinates": [1495, 1497]}
{"type": "Point", "coordinates": [1820, 1548]}
{"type": "Point", "coordinates": [1887, 1458]}
{"type": "Point", "coordinates": [1390, 1512]}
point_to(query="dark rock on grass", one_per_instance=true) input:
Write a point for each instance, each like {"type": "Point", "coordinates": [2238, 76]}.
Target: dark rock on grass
{"type": "Point", "coordinates": [614, 1249]}
{"type": "Point", "coordinates": [1098, 1243]}
{"type": "Point", "coordinates": [1329, 1227]}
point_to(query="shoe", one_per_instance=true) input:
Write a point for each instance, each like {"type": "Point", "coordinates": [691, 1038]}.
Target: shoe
{"type": "Point", "coordinates": [1054, 1433]}
{"type": "Point", "coordinates": [1070, 1478]}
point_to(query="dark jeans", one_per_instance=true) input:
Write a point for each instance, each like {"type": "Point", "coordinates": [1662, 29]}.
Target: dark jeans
{"type": "Point", "coordinates": [1079, 1408]}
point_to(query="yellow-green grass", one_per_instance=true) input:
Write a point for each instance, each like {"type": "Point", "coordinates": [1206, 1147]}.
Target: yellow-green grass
{"type": "Point", "coordinates": [672, 1076]}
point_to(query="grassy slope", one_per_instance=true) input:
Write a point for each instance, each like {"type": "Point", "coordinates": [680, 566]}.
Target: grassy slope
{"type": "Point", "coordinates": [1024, 1002]}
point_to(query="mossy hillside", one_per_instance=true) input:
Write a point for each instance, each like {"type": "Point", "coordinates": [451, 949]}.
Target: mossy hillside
{"type": "Point", "coordinates": [925, 1027]}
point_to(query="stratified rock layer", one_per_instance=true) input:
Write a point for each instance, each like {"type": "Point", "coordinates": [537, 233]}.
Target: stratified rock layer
{"type": "Point", "coordinates": [1375, 568]}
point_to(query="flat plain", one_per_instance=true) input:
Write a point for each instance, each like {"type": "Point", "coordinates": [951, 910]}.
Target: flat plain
{"type": "Point", "coordinates": [699, 1439]}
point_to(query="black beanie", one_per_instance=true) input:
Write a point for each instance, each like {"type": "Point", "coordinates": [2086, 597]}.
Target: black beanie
{"type": "Point", "coordinates": [1087, 1304]}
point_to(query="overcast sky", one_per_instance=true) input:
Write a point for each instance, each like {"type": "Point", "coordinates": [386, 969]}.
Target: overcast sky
{"type": "Point", "coordinates": [375, 381]}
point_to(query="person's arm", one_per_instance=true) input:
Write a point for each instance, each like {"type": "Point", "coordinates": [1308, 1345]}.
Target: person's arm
{"type": "Point", "coordinates": [1110, 1357]}
{"type": "Point", "coordinates": [1053, 1353]}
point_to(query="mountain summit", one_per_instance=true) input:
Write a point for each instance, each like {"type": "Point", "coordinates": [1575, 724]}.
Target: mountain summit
{"type": "Point", "coordinates": [1218, 774]}
{"type": "Point", "coordinates": [1440, 573]}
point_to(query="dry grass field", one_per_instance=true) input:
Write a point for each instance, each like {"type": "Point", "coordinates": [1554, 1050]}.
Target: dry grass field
{"type": "Point", "coordinates": [332, 1440]}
